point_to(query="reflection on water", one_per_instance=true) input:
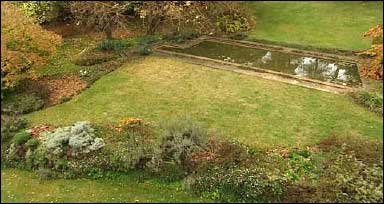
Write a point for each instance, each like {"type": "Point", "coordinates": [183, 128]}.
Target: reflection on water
{"type": "Point", "coordinates": [325, 70]}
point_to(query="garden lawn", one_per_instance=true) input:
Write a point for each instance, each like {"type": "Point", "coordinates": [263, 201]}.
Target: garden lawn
{"type": "Point", "coordinates": [328, 24]}
{"type": "Point", "coordinates": [258, 112]}
{"type": "Point", "coordinates": [25, 187]}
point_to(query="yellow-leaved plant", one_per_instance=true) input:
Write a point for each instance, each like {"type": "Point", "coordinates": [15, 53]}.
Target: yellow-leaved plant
{"type": "Point", "coordinates": [25, 46]}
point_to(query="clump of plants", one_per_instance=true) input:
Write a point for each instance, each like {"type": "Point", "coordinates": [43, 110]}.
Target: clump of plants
{"type": "Point", "coordinates": [232, 23]}
{"type": "Point", "coordinates": [181, 138]}
{"type": "Point", "coordinates": [43, 11]}
{"type": "Point", "coordinates": [134, 146]}
{"type": "Point", "coordinates": [180, 37]}
{"type": "Point", "coordinates": [239, 185]}
{"type": "Point", "coordinates": [114, 45]}
{"type": "Point", "coordinates": [351, 180]}
{"type": "Point", "coordinates": [21, 103]}
{"type": "Point", "coordinates": [79, 138]}
{"type": "Point", "coordinates": [53, 149]}
{"type": "Point", "coordinates": [11, 124]}
{"type": "Point", "coordinates": [373, 101]}
{"type": "Point", "coordinates": [144, 50]}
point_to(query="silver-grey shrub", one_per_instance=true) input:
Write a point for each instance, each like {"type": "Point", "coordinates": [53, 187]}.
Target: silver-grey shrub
{"type": "Point", "coordinates": [79, 137]}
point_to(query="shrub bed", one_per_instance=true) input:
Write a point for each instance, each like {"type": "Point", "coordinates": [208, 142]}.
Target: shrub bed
{"type": "Point", "coordinates": [335, 170]}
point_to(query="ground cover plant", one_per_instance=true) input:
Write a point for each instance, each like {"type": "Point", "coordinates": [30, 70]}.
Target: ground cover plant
{"type": "Point", "coordinates": [106, 119]}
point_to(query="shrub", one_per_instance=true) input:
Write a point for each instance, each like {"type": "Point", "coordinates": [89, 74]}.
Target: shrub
{"type": "Point", "coordinates": [21, 137]}
{"type": "Point", "coordinates": [10, 124]}
{"type": "Point", "coordinates": [32, 143]}
{"type": "Point", "coordinates": [148, 40]}
{"type": "Point", "coordinates": [25, 46]}
{"type": "Point", "coordinates": [238, 185]}
{"type": "Point", "coordinates": [182, 138]}
{"type": "Point", "coordinates": [22, 103]}
{"type": "Point", "coordinates": [372, 101]}
{"type": "Point", "coordinates": [181, 37]}
{"type": "Point", "coordinates": [93, 165]}
{"type": "Point", "coordinates": [350, 180]}
{"type": "Point", "coordinates": [115, 45]}
{"type": "Point", "coordinates": [144, 50]}
{"type": "Point", "coordinates": [225, 154]}
{"type": "Point", "coordinates": [135, 146]}
{"type": "Point", "coordinates": [43, 11]}
{"type": "Point", "coordinates": [231, 17]}
{"type": "Point", "coordinates": [232, 23]}
{"type": "Point", "coordinates": [79, 137]}
{"type": "Point", "coordinates": [71, 148]}
{"type": "Point", "coordinates": [300, 167]}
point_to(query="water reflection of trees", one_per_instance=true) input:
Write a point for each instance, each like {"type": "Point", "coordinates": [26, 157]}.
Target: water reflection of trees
{"type": "Point", "coordinates": [308, 66]}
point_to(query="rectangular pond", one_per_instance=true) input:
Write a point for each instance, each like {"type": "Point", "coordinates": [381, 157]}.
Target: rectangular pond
{"type": "Point", "coordinates": [332, 71]}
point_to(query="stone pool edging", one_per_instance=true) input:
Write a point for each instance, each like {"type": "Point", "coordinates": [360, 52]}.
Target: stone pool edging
{"type": "Point", "coordinates": [255, 71]}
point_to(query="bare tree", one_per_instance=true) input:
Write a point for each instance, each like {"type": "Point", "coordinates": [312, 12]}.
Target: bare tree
{"type": "Point", "coordinates": [104, 16]}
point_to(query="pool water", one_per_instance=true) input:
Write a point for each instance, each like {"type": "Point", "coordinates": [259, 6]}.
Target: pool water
{"type": "Point", "coordinates": [304, 66]}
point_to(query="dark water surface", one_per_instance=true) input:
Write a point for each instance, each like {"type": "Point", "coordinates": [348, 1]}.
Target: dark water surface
{"type": "Point", "coordinates": [310, 67]}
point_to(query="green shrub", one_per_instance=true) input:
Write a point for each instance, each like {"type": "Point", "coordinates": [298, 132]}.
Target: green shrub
{"type": "Point", "coordinates": [10, 124]}
{"type": "Point", "coordinates": [73, 148]}
{"type": "Point", "coordinates": [238, 185]}
{"type": "Point", "coordinates": [144, 50]}
{"type": "Point", "coordinates": [232, 23]}
{"type": "Point", "coordinates": [43, 11]}
{"type": "Point", "coordinates": [372, 101]}
{"type": "Point", "coordinates": [301, 166]}
{"type": "Point", "coordinates": [134, 147]}
{"type": "Point", "coordinates": [113, 45]}
{"type": "Point", "coordinates": [181, 37]}
{"type": "Point", "coordinates": [350, 180]}
{"type": "Point", "coordinates": [148, 40]}
{"type": "Point", "coordinates": [22, 103]}
{"type": "Point", "coordinates": [32, 143]}
{"type": "Point", "coordinates": [182, 138]}
{"type": "Point", "coordinates": [21, 137]}
{"type": "Point", "coordinates": [92, 165]}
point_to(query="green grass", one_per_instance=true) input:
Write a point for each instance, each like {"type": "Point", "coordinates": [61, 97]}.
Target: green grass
{"type": "Point", "coordinates": [61, 62]}
{"type": "Point", "coordinates": [331, 24]}
{"type": "Point", "coordinates": [23, 186]}
{"type": "Point", "coordinates": [258, 112]}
